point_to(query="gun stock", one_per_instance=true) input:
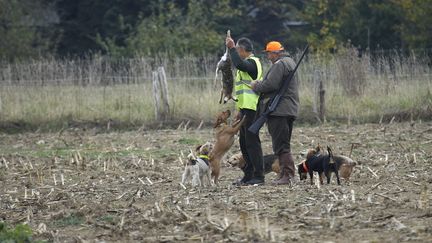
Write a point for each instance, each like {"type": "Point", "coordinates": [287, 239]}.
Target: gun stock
{"type": "Point", "coordinates": [256, 126]}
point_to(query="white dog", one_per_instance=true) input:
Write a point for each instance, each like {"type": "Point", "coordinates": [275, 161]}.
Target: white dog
{"type": "Point", "coordinates": [198, 168]}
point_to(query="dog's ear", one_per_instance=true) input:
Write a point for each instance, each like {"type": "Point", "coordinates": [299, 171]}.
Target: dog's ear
{"type": "Point", "coordinates": [329, 150]}
{"type": "Point", "coordinates": [218, 122]}
{"type": "Point", "coordinates": [318, 148]}
{"type": "Point", "coordinates": [198, 148]}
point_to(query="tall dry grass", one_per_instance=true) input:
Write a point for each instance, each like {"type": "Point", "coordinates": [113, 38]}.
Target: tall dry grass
{"type": "Point", "coordinates": [52, 92]}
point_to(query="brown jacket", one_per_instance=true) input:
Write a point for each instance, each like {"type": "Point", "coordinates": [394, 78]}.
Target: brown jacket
{"type": "Point", "coordinates": [270, 85]}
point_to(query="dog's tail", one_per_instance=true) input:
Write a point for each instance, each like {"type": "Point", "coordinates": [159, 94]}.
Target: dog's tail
{"type": "Point", "coordinates": [330, 154]}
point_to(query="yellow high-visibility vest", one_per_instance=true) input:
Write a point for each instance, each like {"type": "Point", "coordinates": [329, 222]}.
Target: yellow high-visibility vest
{"type": "Point", "coordinates": [247, 98]}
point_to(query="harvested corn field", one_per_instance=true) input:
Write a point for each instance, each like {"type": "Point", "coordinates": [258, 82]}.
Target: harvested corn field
{"type": "Point", "coordinates": [81, 185]}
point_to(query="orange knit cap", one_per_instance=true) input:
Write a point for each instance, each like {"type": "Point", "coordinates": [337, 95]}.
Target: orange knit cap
{"type": "Point", "coordinates": [274, 46]}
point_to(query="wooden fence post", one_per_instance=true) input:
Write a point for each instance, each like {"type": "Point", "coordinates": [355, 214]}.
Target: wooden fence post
{"type": "Point", "coordinates": [164, 92]}
{"type": "Point", "coordinates": [160, 94]}
{"type": "Point", "coordinates": [156, 91]}
{"type": "Point", "coordinates": [322, 101]}
{"type": "Point", "coordinates": [319, 97]}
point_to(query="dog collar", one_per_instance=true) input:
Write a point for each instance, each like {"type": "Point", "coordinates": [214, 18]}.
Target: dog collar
{"type": "Point", "coordinates": [203, 156]}
{"type": "Point", "coordinates": [305, 166]}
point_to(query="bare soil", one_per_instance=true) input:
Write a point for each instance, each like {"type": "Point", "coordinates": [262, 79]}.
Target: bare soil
{"type": "Point", "coordinates": [81, 185]}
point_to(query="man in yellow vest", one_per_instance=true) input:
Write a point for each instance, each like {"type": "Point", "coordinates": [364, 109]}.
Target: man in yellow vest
{"type": "Point", "coordinates": [248, 69]}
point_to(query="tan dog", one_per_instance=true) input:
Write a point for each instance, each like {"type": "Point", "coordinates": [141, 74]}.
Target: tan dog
{"type": "Point", "coordinates": [271, 162]}
{"type": "Point", "coordinates": [224, 140]}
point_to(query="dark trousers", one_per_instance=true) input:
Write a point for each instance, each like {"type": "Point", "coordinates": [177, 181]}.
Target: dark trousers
{"type": "Point", "coordinates": [250, 145]}
{"type": "Point", "coordinates": [280, 129]}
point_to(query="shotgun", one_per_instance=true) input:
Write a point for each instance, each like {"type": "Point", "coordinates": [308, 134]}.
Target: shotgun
{"type": "Point", "coordinates": [274, 101]}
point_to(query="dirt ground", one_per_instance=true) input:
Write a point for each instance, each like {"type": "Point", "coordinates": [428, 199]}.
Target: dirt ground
{"type": "Point", "coordinates": [90, 185]}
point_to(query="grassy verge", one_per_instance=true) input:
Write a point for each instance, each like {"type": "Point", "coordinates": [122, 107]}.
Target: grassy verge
{"type": "Point", "coordinates": [132, 105]}
{"type": "Point", "coordinates": [357, 91]}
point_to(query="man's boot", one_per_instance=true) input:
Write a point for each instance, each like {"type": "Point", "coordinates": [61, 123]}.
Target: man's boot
{"type": "Point", "coordinates": [287, 167]}
{"type": "Point", "coordinates": [258, 178]}
{"type": "Point", "coordinates": [248, 174]}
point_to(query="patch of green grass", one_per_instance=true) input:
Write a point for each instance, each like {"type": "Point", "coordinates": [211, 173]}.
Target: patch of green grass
{"type": "Point", "coordinates": [70, 220]}
{"type": "Point", "coordinates": [20, 234]}
{"type": "Point", "coordinates": [107, 218]}
{"type": "Point", "coordinates": [162, 153]}
{"type": "Point", "coordinates": [188, 141]}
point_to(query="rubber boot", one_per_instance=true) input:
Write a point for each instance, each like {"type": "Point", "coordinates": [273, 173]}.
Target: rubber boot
{"type": "Point", "coordinates": [287, 167]}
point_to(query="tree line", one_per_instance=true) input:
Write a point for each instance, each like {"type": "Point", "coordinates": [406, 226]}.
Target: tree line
{"type": "Point", "coordinates": [125, 28]}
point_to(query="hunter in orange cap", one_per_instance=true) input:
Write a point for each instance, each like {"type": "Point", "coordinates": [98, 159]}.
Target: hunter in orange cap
{"type": "Point", "coordinates": [280, 121]}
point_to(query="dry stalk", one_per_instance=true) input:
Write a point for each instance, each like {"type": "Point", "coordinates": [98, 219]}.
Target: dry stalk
{"type": "Point", "coordinates": [373, 187]}
{"type": "Point", "coordinates": [141, 181]}
{"type": "Point", "coordinates": [29, 214]}
{"type": "Point", "coordinates": [346, 216]}
{"type": "Point", "coordinates": [186, 125]}
{"type": "Point", "coordinates": [334, 195]}
{"type": "Point", "coordinates": [317, 182]}
{"type": "Point", "coordinates": [200, 125]}
{"type": "Point", "coordinates": [157, 207]}
{"type": "Point", "coordinates": [5, 163]}
{"type": "Point", "coordinates": [352, 147]}
{"type": "Point", "coordinates": [122, 220]}
{"type": "Point", "coordinates": [373, 172]}
{"type": "Point", "coordinates": [257, 225]}
{"type": "Point", "coordinates": [119, 197]}
{"type": "Point", "coordinates": [406, 158]}
{"type": "Point", "coordinates": [423, 201]}
{"type": "Point", "coordinates": [226, 221]}
{"type": "Point", "coordinates": [330, 207]}
{"type": "Point", "coordinates": [243, 218]}
{"type": "Point", "coordinates": [384, 196]}
{"type": "Point", "coordinates": [369, 198]}
{"type": "Point", "coordinates": [180, 125]}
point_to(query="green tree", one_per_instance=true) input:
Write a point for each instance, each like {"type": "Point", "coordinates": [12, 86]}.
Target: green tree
{"type": "Point", "coordinates": [83, 23]}
{"type": "Point", "coordinates": [19, 39]}
{"type": "Point", "coordinates": [175, 29]}
{"type": "Point", "coordinates": [278, 20]}
{"type": "Point", "coordinates": [416, 28]}
{"type": "Point", "coordinates": [364, 23]}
